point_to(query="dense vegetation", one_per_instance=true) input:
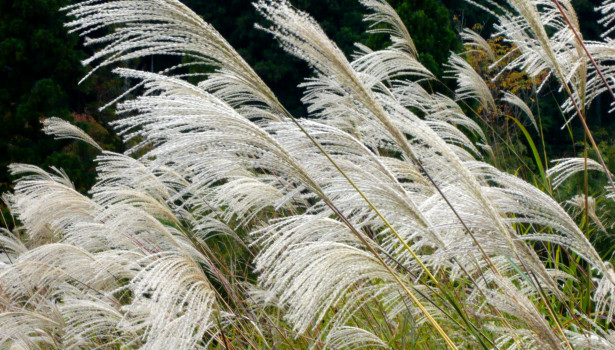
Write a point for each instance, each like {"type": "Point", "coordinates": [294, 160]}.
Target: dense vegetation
{"type": "Point", "coordinates": [394, 180]}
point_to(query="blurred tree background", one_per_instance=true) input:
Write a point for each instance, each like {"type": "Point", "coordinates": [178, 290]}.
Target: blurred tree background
{"type": "Point", "coordinates": [40, 67]}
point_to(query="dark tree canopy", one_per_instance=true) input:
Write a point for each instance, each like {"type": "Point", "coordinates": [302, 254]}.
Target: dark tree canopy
{"type": "Point", "coordinates": [40, 65]}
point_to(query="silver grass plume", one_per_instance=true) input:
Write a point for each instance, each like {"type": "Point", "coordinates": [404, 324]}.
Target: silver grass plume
{"type": "Point", "coordinates": [300, 35]}
{"type": "Point", "coordinates": [96, 246]}
{"type": "Point", "coordinates": [354, 338]}
{"type": "Point", "coordinates": [588, 205]}
{"type": "Point", "coordinates": [516, 101]}
{"type": "Point", "coordinates": [469, 83]}
{"type": "Point", "coordinates": [384, 13]}
{"type": "Point", "coordinates": [62, 129]}
{"type": "Point", "coordinates": [566, 167]}
{"type": "Point", "coordinates": [607, 9]}
{"type": "Point", "coordinates": [289, 35]}
{"type": "Point", "coordinates": [473, 39]}
{"type": "Point", "coordinates": [527, 23]}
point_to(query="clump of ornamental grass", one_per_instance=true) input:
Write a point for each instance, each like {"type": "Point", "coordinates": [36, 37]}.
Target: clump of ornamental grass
{"type": "Point", "coordinates": [378, 222]}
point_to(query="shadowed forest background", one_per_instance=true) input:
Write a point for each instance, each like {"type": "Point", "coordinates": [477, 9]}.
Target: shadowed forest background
{"type": "Point", "coordinates": [40, 67]}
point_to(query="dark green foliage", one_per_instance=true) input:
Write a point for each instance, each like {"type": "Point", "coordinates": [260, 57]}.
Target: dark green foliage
{"type": "Point", "coordinates": [430, 25]}
{"type": "Point", "coordinates": [588, 18]}
{"type": "Point", "coordinates": [37, 66]}
{"type": "Point", "coordinates": [39, 69]}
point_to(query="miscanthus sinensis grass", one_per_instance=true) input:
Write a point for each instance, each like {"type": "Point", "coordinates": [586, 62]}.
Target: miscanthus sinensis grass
{"type": "Point", "coordinates": [377, 222]}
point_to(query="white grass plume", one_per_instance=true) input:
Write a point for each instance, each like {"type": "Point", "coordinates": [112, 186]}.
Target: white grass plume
{"type": "Point", "coordinates": [384, 13]}
{"type": "Point", "coordinates": [354, 338]}
{"type": "Point", "coordinates": [566, 167]}
{"type": "Point", "coordinates": [516, 101]}
{"type": "Point", "coordinates": [546, 43]}
{"type": "Point", "coordinates": [62, 129]}
{"type": "Point", "coordinates": [607, 10]}
{"type": "Point", "coordinates": [101, 243]}
{"type": "Point", "coordinates": [473, 39]}
{"type": "Point", "coordinates": [300, 35]}
{"type": "Point", "coordinates": [310, 286]}
{"type": "Point", "coordinates": [587, 205]}
{"type": "Point", "coordinates": [173, 303]}
{"type": "Point", "coordinates": [469, 83]}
